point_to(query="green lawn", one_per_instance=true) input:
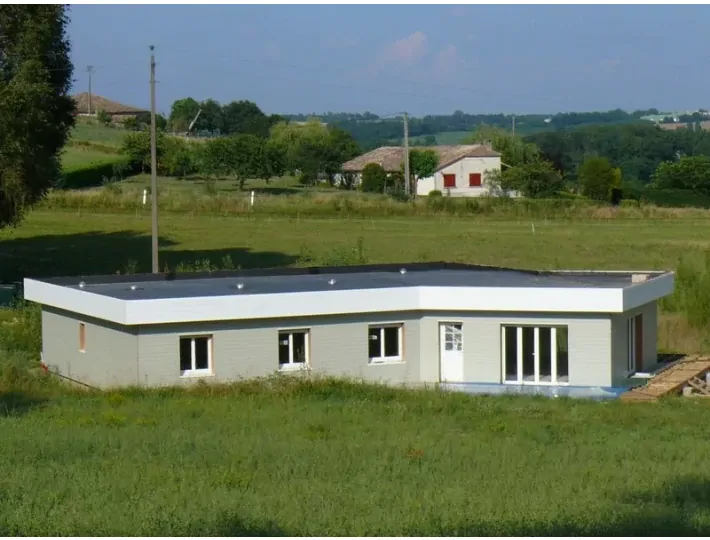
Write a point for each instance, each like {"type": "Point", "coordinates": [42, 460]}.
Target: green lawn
{"type": "Point", "coordinates": [334, 459]}
{"type": "Point", "coordinates": [89, 132]}
{"type": "Point", "coordinates": [80, 157]}
{"type": "Point", "coordinates": [65, 242]}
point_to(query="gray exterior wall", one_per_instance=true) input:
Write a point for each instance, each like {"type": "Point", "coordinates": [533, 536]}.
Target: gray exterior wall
{"type": "Point", "coordinates": [149, 355]}
{"type": "Point", "coordinates": [589, 345]}
{"type": "Point", "coordinates": [620, 341]}
{"type": "Point", "coordinates": [338, 347]}
{"type": "Point", "coordinates": [111, 351]}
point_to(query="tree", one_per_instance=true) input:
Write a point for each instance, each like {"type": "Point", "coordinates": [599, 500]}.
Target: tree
{"type": "Point", "coordinates": [245, 117]}
{"type": "Point", "coordinates": [690, 172]}
{"type": "Point", "coordinates": [537, 179]}
{"type": "Point", "coordinates": [313, 148]}
{"type": "Point", "coordinates": [143, 121]}
{"type": "Point", "coordinates": [182, 113]}
{"type": "Point", "coordinates": [597, 178]}
{"type": "Point", "coordinates": [177, 159]}
{"type": "Point", "coordinates": [340, 147]}
{"type": "Point", "coordinates": [136, 147]}
{"type": "Point", "coordinates": [422, 164]}
{"type": "Point", "coordinates": [211, 118]}
{"type": "Point", "coordinates": [514, 150]}
{"type": "Point", "coordinates": [36, 111]}
{"type": "Point", "coordinates": [374, 178]}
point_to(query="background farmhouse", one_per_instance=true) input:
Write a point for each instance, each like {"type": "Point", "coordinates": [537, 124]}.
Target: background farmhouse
{"type": "Point", "coordinates": [462, 168]}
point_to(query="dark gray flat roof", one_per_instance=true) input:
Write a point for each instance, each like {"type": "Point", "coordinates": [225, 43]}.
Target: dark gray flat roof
{"type": "Point", "coordinates": [293, 280]}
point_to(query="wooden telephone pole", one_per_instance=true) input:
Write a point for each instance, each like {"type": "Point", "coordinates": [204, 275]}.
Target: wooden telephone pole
{"type": "Point", "coordinates": [90, 71]}
{"type": "Point", "coordinates": [153, 165]}
{"type": "Point", "coordinates": [407, 179]}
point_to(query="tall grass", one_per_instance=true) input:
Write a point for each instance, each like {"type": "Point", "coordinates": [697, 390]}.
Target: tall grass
{"type": "Point", "coordinates": [692, 292]}
{"type": "Point", "coordinates": [355, 205]}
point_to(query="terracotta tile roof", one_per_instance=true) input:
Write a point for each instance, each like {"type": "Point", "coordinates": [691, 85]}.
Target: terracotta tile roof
{"type": "Point", "coordinates": [99, 103]}
{"type": "Point", "coordinates": [391, 157]}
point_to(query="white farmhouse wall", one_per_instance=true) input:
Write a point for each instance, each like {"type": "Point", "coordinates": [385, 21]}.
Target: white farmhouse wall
{"type": "Point", "coordinates": [461, 169]}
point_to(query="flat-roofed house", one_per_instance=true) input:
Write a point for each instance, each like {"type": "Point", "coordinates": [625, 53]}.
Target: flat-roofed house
{"type": "Point", "coordinates": [411, 324]}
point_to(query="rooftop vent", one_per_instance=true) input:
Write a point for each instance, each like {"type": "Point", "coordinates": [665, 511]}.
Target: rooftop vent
{"type": "Point", "coordinates": [82, 284]}
{"type": "Point", "coordinates": [638, 278]}
{"type": "Point", "coordinates": [331, 281]}
{"type": "Point", "coordinates": [240, 285]}
{"type": "Point", "coordinates": [135, 288]}
{"type": "Point", "coordinates": [402, 270]}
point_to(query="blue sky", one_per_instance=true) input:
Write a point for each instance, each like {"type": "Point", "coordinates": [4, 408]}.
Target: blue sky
{"type": "Point", "coordinates": [389, 58]}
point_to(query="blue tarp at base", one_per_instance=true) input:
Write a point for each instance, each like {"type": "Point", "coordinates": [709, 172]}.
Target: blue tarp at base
{"type": "Point", "coordinates": [588, 392]}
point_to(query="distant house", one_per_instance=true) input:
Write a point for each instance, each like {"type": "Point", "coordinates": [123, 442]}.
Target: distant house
{"type": "Point", "coordinates": [462, 168]}
{"type": "Point", "coordinates": [118, 111]}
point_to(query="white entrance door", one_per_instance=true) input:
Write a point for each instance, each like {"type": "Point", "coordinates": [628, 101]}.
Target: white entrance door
{"type": "Point", "coordinates": [451, 352]}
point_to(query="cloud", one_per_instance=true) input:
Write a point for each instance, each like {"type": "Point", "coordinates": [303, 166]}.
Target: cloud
{"type": "Point", "coordinates": [404, 52]}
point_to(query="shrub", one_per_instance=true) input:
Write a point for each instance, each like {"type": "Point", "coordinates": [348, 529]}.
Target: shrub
{"type": "Point", "coordinates": [374, 178]}
{"type": "Point", "coordinates": [103, 118]}
{"type": "Point", "coordinates": [178, 158]}
{"type": "Point", "coordinates": [435, 193]}
{"type": "Point", "coordinates": [597, 178]}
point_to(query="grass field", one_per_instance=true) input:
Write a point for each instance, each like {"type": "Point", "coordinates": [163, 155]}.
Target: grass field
{"type": "Point", "coordinates": [338, 459]}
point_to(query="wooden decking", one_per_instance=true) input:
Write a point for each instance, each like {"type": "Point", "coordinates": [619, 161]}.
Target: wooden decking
{"type": "Point", "coordinates": [688, 371]}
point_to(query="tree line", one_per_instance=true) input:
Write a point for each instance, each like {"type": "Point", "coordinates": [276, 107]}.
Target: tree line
{"type": "Point", "coordinates": [636, 149]}
{"type": "Point", "coordinates": [604, 163]}
{"type": "Point", "coordinates": [371, 131]}
{"type": "Point", "coordinates": [310, 151]}
{"type": "Point", "coordinates": [242, 116]}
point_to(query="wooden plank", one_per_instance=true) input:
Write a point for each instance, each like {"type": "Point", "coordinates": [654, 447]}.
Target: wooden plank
{"type": "Point", "coordinates": [689, 370]}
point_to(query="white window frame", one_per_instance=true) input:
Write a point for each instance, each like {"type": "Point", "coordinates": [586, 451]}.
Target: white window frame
{"type": "Point", "coordinates": [631, 346]}
{"type": "Point", "coordinates": [382, 359]}
{"type": "Point", "coordinates": [197, 372]}
{"type": "Point", "coordinates": [536, 354]}
{"type": "Point", "coordinates": [295, 366]}
{"type": "Point", "coordinates": [459, 331]}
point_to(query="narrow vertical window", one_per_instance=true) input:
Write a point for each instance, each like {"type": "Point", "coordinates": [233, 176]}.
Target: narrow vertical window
{"type": "Point", "coordinates": [82, 337]}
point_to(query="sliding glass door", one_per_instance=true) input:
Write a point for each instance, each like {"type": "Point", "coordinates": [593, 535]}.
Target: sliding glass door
{"type": "Point", "coordinates": [535, 354]}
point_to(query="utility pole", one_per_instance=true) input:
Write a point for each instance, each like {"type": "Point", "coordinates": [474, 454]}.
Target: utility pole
{"type": "Point", "coordinates": [407, 185]}
{"type": "Point", "coordinates": [513, 125]}
{"type": "Point", "coordinates": [90, 71]}
{"type": "Point", "coordinates": [153, 164]}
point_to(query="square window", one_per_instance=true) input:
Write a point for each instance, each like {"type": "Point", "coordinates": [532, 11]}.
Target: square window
{"type": "Point", "coordinates": [385, 343]}
{"type": "Point", "coordinates": [195, 355]}
{"type": "Point", "coordinates": [474, 180]}
{"type": "Point", "coordinates": [449, 180]}
{"type": "Point", "coordinates": [293, 349]}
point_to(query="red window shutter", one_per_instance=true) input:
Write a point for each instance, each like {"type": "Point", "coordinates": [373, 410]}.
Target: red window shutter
{"type": "Point", "coordinates": [449, 180]}
{"type": "Point", "coordinates": [474, 179]}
